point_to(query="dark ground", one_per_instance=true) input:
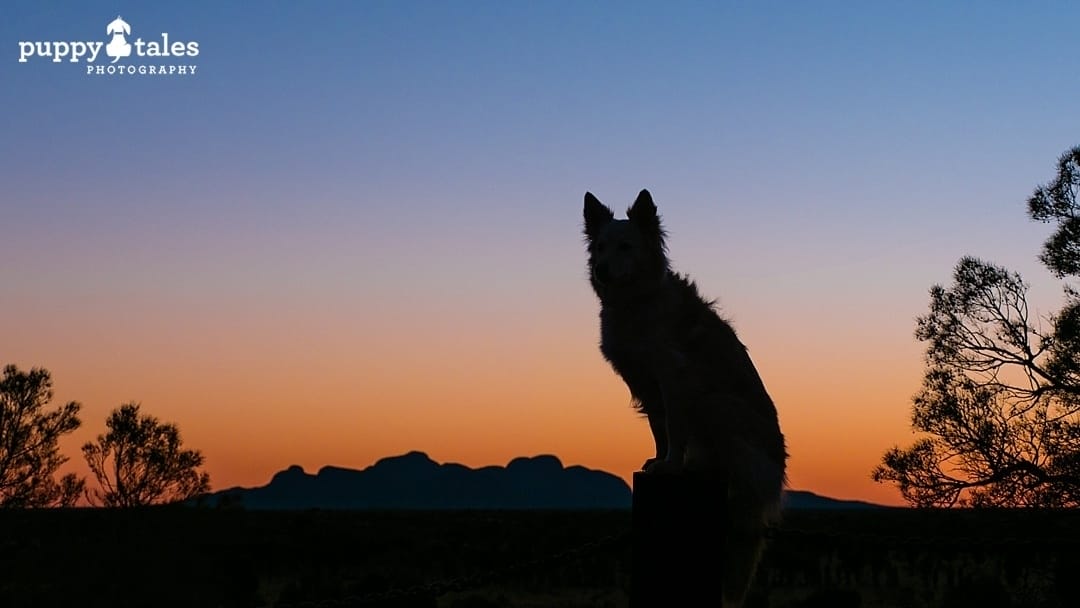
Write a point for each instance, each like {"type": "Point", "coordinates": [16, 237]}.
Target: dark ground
{"type": "Point", "coordinates": [172, 556]}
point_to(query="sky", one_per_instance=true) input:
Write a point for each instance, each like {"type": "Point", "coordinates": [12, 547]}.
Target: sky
{"type": "Point", "coordinates": [355, 230]}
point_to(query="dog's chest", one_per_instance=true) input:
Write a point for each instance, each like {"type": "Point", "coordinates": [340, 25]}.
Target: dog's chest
{"type": "Point", "coordinates": [633, 340]}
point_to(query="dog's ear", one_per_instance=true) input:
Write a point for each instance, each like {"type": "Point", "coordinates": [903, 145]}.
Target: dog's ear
{"type": "Point", "coordinates": [643, 214]}
{"type": "Point", "coordinates": [596, 216]}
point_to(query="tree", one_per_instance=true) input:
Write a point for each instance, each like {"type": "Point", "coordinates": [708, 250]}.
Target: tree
{"type": "Point", "coordinates": [1057, 202]}
{"type": "Point", "coordinates": [29, 442]}
{"type": "Point", "coordinates": [139, 461]}
{"type": "Point", "coordinates": [1000, 398]}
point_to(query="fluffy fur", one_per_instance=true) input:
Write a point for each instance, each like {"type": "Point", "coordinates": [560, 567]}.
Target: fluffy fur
{"type": "Point", "coordinates": [689, 374]}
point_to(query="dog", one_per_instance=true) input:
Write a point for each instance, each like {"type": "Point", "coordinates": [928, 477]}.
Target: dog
{"type": "Point", "coordinates": [690, 375]}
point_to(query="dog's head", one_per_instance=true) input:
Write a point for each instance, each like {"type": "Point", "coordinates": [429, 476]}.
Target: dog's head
{"type": "Point", "coordinates": [626, 257]}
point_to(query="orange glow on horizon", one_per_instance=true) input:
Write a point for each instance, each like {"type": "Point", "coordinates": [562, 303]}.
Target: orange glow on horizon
{"type": "Point", "coordinates": [342, 405]}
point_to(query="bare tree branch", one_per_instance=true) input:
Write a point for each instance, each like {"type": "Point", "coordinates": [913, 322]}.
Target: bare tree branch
{"type": "Point", "coordinates": [1000, 402]}
{"type": "Point", "coordinates": [29, 442]}
{"type": "Point", "coordinates": [139, 461]}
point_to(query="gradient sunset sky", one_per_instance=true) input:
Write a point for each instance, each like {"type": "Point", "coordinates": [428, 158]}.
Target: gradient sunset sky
{"type": "Point", "coordinates": [356, 230]}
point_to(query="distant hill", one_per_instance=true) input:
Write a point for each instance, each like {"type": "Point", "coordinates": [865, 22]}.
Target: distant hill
{"type": "Point", "coordinates": [415, 481]}
{"type": "Point", "coordinates": [800, 499]}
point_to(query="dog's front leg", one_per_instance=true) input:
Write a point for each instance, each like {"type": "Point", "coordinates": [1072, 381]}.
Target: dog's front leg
{"type": "Point", "coordinates": [676, 427]}
{"type": "Point", "coordinates": [650, 401]}
{"type": "Point", "coordinates": [675, 433]}
{"type": "Point", "coordinates": [658, 425]}
{"type": "Point", "coordinates": [676, 391]}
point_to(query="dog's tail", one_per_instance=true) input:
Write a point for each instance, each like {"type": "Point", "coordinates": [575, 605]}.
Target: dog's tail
{"type": "Point", "coordinates": [749, 452]}
{"type": "Point", "coordinates": [746, 524]}
{"type": "Point", "coordinates": [755, 490]}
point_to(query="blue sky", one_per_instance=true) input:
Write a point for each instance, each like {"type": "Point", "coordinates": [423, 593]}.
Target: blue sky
{"type": "Point", "coordinates": [421, 165]}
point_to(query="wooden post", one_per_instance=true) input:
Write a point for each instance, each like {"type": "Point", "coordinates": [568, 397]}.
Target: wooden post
{"type": "Point", "coordinates": [678, 540]}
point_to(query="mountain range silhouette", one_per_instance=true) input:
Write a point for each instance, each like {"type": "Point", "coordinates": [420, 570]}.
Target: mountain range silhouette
{"type": "Point", "coordinates": [415, 481]}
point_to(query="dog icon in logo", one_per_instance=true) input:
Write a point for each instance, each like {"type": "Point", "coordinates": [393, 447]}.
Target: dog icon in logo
{"type": "Point", "coordinates": [118, 47]}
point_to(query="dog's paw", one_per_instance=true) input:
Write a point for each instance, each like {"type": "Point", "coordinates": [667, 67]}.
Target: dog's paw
{"type": "Point", "coordinates": [655, 466]}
